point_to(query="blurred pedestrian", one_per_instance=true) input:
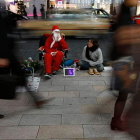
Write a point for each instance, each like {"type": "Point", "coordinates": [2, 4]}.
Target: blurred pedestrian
{"type": "Point", "coordinates": [92, 58]}
{"type": "Point", "coordinates": [114, 11]}
{"type": "Point", "coordinates": [34, 12]}
{"type": "Point", "coordinates": [42, 11]}
{"type": "Point", "coordinates": [51, 7]}
{"type": "Point", "coordinates": [7, 57]}
{"type": "Point", "coordinates": [125, 77]}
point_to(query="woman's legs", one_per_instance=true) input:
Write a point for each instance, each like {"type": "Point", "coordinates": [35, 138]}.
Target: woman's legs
{"type": "Point", "coordinates": [57, 60]}
{"type": "Point", "coordinates": [84, 65]}
{"type": "Point", "coordinates": [48, 62]}
{"type": "Point", "coordinates": [100, 67]}
{"type": "Point", "coordinates": [119, 106]}
{"type": "Point", "coordinates": [117, 123]}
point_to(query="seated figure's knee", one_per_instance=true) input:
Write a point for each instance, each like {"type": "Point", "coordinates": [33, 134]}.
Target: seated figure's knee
{"type": "Point", "coordinates": [47, 55]}
{"type": "Point", "coordinates": [80, 63]}
{"type": "Point", "coordinates": [59, 53]}
{"type": "Point", "coordinates": [100, 68]}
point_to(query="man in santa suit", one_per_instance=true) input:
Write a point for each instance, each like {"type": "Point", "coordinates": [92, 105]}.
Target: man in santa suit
{"type": "Point", "coordinates": [53, 45]}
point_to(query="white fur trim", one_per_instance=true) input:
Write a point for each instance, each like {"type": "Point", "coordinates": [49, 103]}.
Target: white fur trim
{"type": "Point", "coordinates": [56, 30]}
{"type": "Point", "coordinates": [59, 39]}
{"type": "Point", "coordinates": [52, 44]}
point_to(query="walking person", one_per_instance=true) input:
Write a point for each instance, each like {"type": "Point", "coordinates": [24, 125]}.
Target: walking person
{"type": "Point", "coordinates": [7, 57]}
{"type": "Point", "coordinates": [42, 11]}
{"type": "Point", "coordinates": [124, 76]}
{"type": "Point", "coordinates": [34, 12]}
{"type": "Point", "coordinates": [114, 11]}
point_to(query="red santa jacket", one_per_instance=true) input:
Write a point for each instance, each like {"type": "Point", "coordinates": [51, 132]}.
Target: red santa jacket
{"type": "Point", "coordinates": [51, 46]}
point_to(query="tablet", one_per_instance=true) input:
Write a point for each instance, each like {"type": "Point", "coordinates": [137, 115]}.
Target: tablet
{"type": "Point", "coordinates": [69, 71]}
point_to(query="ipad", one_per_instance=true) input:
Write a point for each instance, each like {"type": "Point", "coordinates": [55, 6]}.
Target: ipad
{"type": "Point", "coordinates": [69, 71]}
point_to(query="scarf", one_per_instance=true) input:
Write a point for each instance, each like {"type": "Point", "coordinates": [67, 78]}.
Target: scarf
{"type": "Point", "coordinates": [92, 49]}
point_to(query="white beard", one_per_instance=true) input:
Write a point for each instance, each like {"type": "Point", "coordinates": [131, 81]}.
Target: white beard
{"type": "Point", "coordinates": [56, 36]}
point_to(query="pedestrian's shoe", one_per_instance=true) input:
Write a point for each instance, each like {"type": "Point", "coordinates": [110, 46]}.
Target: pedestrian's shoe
{"type": "Point", "coordinates": [95, 71]}
{"type": "Point", "coordinates": [117, 125]}
{"type": "Point", "coordinates": [1, 116]}
{"type": "Point", "coordinates": [91, 71]}
{"type": "Point", "coordinates": [54, 72]}
{"type": "Point", "coordinates": [48, 75]}
{"type": "Point", "coordinates": [40, 103]}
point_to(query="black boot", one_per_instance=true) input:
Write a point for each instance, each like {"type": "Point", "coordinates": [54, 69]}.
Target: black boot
{"type": "Point", "coordinates": [117, 125]}
{"type": "Point", "coordinates": [1, 116]}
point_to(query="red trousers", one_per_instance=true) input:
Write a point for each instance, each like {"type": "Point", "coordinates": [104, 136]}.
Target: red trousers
{"type": "Point", "coordinates": [57, 59]}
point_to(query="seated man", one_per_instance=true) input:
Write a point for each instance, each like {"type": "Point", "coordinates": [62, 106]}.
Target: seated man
{"type": "Point", "coordinates": [92, 58]}
{"type": "Point", "coordinates": [53, 45]}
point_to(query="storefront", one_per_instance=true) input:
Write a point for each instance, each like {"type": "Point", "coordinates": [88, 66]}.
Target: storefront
{"type": "Point", "coordinates": [138, 8]}
{"type": "Point", "coordinates": [107, 5]}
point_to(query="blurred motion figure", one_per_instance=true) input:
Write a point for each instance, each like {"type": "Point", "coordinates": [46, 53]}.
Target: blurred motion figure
{"type": "Point", "coordinates": [114, 11]}
{"type": "Point", "coordinates": [126, 61]}
{"type": "Point", "coordinates": [34, 12]}
{"type": "Point", "coordinates": [7, 57]}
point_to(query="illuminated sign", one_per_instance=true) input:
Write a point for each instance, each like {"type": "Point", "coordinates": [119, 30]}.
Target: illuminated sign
{"type": "Point", "coordinates": [69, 71]}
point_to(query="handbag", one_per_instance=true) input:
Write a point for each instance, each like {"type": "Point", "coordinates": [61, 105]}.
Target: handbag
{"type": "Point", "coordinates": [8, 84]}
{"type": "Point", "coordinates": [68, 62]}
{"type": "Point", "coordinates": [124, 78]}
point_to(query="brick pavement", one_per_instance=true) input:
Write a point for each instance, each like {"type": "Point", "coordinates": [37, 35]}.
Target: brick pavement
{"type": "Point", "coordinates": [81, 109]}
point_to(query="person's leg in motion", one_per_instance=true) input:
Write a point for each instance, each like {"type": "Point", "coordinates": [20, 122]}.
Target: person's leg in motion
{"type": "Point", "coordinates": [48, 62]}
{"type": "Point", "coordinates": [57, 61]}
{"type": "Point", "coordinates": [117, 123]}
{"type": "Point", "coordinates": [16, 67]}
{"type": "Point", "coordinates": [1, 116]}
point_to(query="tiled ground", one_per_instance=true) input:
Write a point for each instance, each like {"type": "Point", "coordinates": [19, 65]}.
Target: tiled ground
{"type": "Point", "coordinates": [80, 108]}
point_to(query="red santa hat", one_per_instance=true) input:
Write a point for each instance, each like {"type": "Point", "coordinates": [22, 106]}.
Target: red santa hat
{"type": "Point", "coordinates": [55, 28]}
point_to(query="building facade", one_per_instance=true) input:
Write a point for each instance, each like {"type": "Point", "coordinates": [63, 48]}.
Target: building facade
{"type": "Point", "coordinates": [107, 5]}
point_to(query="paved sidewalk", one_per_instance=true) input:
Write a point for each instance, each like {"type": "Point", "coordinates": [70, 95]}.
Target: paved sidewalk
{"type": "Point", "coordinates": [81, 109]}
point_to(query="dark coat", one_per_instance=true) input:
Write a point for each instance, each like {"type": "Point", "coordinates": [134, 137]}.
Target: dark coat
{"type": "Point", "coordinates": [6, 44]}
{"type": "Point", "coordinates": [34, 11]}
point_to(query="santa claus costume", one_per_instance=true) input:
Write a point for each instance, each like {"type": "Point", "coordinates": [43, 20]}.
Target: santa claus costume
{"type": "Point", "coordinates": [53, 45]}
